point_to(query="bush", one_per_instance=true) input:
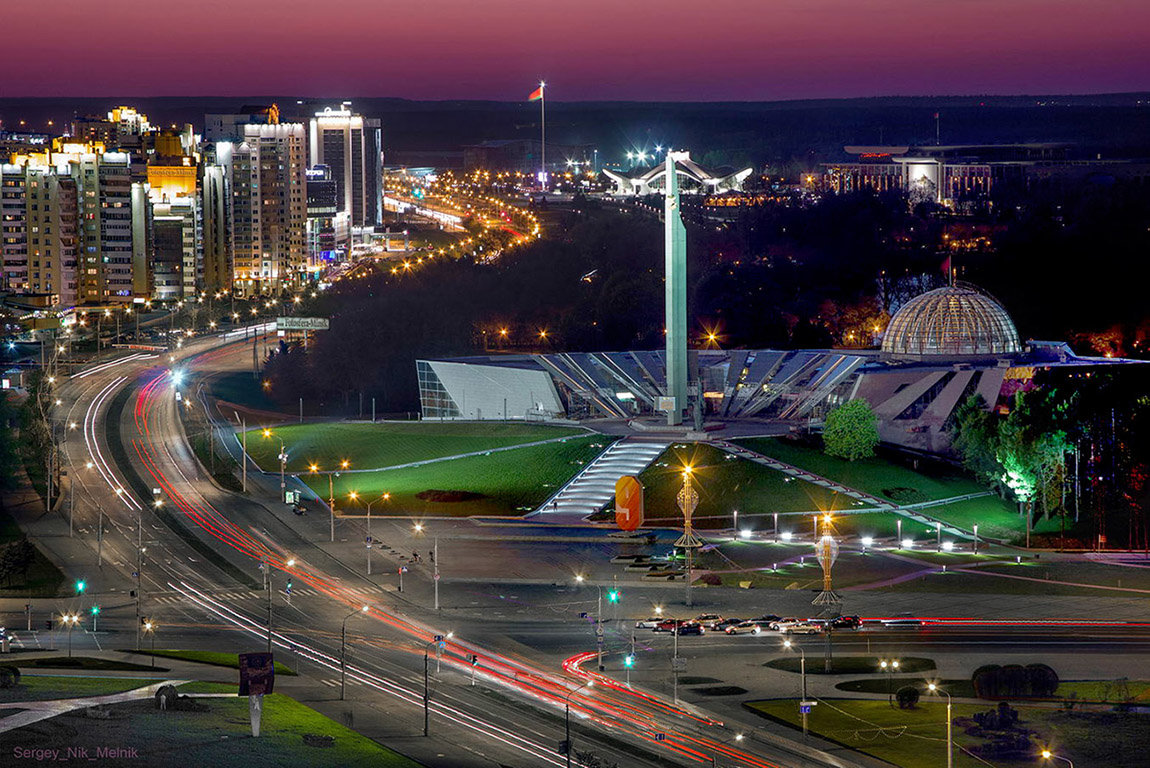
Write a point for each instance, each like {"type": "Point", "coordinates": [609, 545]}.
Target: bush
{"type": "Point", "coordinates": [711, 579]}
{"type": "Point", "coordinates": [907, 697]}
{"type": "Point", "coordinates": [1014, 681]}
{"type": "Point", "coordinates": [850, 432]}
{"type": "Point", "coordinates": [9, 676]}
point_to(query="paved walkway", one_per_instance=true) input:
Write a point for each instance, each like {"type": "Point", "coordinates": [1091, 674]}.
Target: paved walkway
{"type": "Point", "coordinates": [35, 711]}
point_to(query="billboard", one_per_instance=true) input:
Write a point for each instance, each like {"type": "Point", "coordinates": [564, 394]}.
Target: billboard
{"type": "Point", "coordinates": [301, 323]}
{"type": "Point", "coordinates": [257, 674]}
{"type": "Point", "coordinates": [628, 503]}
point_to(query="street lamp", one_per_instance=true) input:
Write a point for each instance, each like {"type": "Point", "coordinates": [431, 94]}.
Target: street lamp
{"type": "Point", "coordinates": [71, 619]}
{"type": "Point", "coordinates": [803, 674]}
{"type": "Point", "coordinates": [567, 717]}
{"type": "Point", "coordinates": [283, 463]}
{"type": "Point", "coordinates": [150, 628]}
{"type": "Point", "coordinates": [370, 543]}
{"type": "Point", "coordinates": [437, 640]}
{"type": "Point", "coordinates": [343, 650]}
{"type": "Point", "coordinates": [1048, 755]}
{"type": "Point", "coordinates": [890, 667]}
{"type": "Point", "coordinates": [933, 688]}
{"type": "Point", "coordinates": [330, 492]}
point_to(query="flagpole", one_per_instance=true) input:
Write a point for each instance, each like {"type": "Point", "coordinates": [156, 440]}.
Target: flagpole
{"type": "Point", "coordinates": [543, 134]}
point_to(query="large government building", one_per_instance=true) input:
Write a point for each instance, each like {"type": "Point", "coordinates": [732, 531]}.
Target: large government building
{"type": "Point", "coordinates": [938, 350]}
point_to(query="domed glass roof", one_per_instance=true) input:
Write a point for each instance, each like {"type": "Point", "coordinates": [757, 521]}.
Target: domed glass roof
{"type": "Point", "coordinates": [955, 320]}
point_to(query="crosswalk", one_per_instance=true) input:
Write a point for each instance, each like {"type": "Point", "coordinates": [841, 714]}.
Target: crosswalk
{"type": "Point", "coordinates": [234, 596]}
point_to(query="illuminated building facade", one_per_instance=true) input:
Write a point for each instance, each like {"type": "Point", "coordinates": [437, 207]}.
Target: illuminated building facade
{"type": "Point", "coordinates": [328, 228]}
{"type": "Point", "coordinates": [266, 173]}
{"type": "Point", "coordinates": [351, 147]}
{"type": "Point", "coordinates": [39, 240]}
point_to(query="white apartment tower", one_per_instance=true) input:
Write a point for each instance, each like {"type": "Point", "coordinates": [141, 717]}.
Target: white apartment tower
{"type": "Point", "coordinates": [351, 146]}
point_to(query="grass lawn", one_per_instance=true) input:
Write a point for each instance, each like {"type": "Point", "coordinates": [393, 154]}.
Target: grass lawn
{"type": "Point", "coordinates": [1115, 691]}
{"type": "Point", "coordinates": [504, 483]}
{"type": "Point", "coordinates": [85, 662]}
{"type": "Point", "coordinates": [385, 444]}
{"type": "Point", "coordinates": [724, 484]}
{"type": "Point", "coordinates": [894, 482]}
{"type": "Point", "coordinates": [851, 665]}
{"type": "Point", "coordinates": [214, 658]}
{"type": "Point", "coordinates": [961, 689]}
{"type": "Point", "coordinates": [198, 686]}
{"type": "Point", "coordinates": [220, 736]}
{"type": "Point", "coordinates": [916, 738]}
{"type": "Point", "coordinates": [37, 687]}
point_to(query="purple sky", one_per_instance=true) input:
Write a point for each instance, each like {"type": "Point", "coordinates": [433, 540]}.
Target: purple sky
{"type": "Point", "coordinates": [586, 49]}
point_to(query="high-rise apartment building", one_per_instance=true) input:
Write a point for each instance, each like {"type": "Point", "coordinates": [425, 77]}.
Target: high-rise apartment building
{"type": "Point", "coordinates": [74, 225]}
{"type": "Point", "coordinates": [268, 206]}
{"type": "Point", "coordinates": [351, 145]}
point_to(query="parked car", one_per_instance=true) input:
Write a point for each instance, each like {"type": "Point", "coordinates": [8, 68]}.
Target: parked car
{"type": "Point", "coordinates": [708, 620]}
{"type": "Point", "coordinates": [778, 625]}
{"type": "Point", "coordinates": [846, 622]}
{"type": "Point", "coordinates": [666, 625]}
{"type": "Point", "coordinates": [803, 628]}
{"type": "Point", "coordinates": [691, 628]}
{"type": "Point", "coordinates": [744, 628]}
{"type": "Point", "coordinates": [651, 623]}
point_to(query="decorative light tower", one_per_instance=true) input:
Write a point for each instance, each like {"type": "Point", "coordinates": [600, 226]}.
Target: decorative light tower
{"type": "Point", "coordinates": [827, 551]}
{"type": "Point", "coordinates": [675, 287]}
{"type": "Point", "coordinates": [688, 499]}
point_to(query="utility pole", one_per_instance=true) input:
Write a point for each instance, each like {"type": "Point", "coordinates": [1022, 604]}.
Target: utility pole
{"type": "Point", "coordinates": [268, 588]}
{"type": "Point", "coordinates": [244, 457]}
{"type": "Point", "coordinates": [435, 569]}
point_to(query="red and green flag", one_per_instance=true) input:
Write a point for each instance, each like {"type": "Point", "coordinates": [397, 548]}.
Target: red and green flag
{"type": "Point", "coordinates": [537, 94]}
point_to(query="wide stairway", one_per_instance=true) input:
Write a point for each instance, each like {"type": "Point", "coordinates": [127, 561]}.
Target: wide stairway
{"type": "Point", "coordinates": [595, 485]}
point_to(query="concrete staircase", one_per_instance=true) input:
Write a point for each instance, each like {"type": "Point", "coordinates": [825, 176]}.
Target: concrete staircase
{"type": "Point", "coordinates": [595, 486]}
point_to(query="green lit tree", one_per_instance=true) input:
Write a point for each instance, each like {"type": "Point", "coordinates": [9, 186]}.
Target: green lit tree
{"type": "Point", "coordinates": [851, 431]}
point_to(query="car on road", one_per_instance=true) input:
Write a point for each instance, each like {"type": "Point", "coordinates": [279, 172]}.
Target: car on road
{"type": "Point", "coordinates": [691, 628]}
{"type": "Point", "coordinates": [651, 623]}
{"type": "Point", "coordinates": [666, 625]}
{"type": "Point", "coordinates": [846, 622]}
{"type": "Point", "coordinates": [767, 618]}
{"type": "Point", "coordinates": [299, 508]}
{"type": "Point", "coordinates": [708, 620]}
{"type": "Point", "coordinates": [744, 628]}
{"type": "Point", "coordinates": [804, 628]}
{"type": "Point", "coordinates": [727, 622]}
{"type": "Point", "coordinates": [778, 625]}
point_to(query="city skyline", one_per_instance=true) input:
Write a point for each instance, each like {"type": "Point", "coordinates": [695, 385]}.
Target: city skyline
{"type": "Point", "coordinates": [447, 49]}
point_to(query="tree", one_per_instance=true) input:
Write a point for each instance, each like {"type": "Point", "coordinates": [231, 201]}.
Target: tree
{"type": "Point", "coordinates": [907, 697]}
{"type": "Point", "coordinates": [851, 431]}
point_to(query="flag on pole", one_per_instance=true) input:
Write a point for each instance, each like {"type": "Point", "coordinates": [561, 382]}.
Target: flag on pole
{"type": "Point", "coordinates": [537, 94]}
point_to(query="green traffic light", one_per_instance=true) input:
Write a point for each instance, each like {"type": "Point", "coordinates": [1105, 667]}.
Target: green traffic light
{"type": "Point", "coordinates": [613, 596]}
{"type": "Point", "coordinates": [80, 586]}
{"type": "Point", "coordinates": [629, 661]}
{"type": "Point", "coordinates": [95, 609]}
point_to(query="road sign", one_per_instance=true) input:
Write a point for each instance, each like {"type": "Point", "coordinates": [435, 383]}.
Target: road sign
{"type": "Point", "coordinates": [804, 709]}
{"type": "Point", "coordinates": [660, 737]}
{"type": "Point", "coordinates": [367, 539]}
{"type": "Point", "coordinates": [302, 323]}
{"type": "Point", "coordinates": [628, 503]}
{"type": "Point", "coordinates": [599, 630]}
{"type": "Point", "coordinates": [403, 569]}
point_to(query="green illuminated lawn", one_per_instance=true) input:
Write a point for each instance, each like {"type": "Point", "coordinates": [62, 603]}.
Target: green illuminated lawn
{"type": "Point", "coordinates": [386, 444]}
{"type": "Point", "coordinates": [506, 483]}
{"type": "Point", "coordinates": [916, 738]}
{"type": "Point", "coordinates": [44, 687]}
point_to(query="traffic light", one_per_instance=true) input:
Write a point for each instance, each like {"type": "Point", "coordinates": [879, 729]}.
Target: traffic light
{"type": "Point", "coordinates": [95, 610]}
{"type": "Point", "coordinates": [629, 660]}
{"type": "Point", "coordinates": [613, 596]}
{"type": "Point", "coordinates": [287, 588]}
{"type": "Point", "coordinates": [81, 585]}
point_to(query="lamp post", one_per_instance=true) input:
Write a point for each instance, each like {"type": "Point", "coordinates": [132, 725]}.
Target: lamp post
{"type": "Point", "coordinates": [803, 674]}
{"type": "Point", "coordinates": [283, 463]}
{"type": "Point", "coordinates": [567, 717]}
{"type": "Point", "coordinates": [331, 492]}
{"type": "Point", "coordinates": [343, 651]}
{"type": "Point", "coordinates": [71, 619]}
{"type": "Point", "coordinates": [370, 543]}
{"type": "Point", "coordinates": [1048, 755]}
{"type": "Point", "coordinates": [688, 499]}
{"type": "Point", "coordinates": [735, 525]}
{"type": "Point", "coordinates": [889, 667]}
{"type": "Point", "coordinates": [150, 628]}
{"type": "Point", "coordinates": [426, 684]}
{"type": "Point", "coordinates": [933, 688]}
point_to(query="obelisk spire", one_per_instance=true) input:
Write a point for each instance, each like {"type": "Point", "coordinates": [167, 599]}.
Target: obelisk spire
{"type": "Point", "coordinates": [676, 294]}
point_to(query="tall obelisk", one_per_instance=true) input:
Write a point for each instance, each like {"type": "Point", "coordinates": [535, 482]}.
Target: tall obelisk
{"type": "Point", "coordinates": [675, 239]}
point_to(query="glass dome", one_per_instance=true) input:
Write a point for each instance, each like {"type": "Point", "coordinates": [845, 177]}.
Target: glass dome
{"type": "Point", "coordinates": [956, 320]}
